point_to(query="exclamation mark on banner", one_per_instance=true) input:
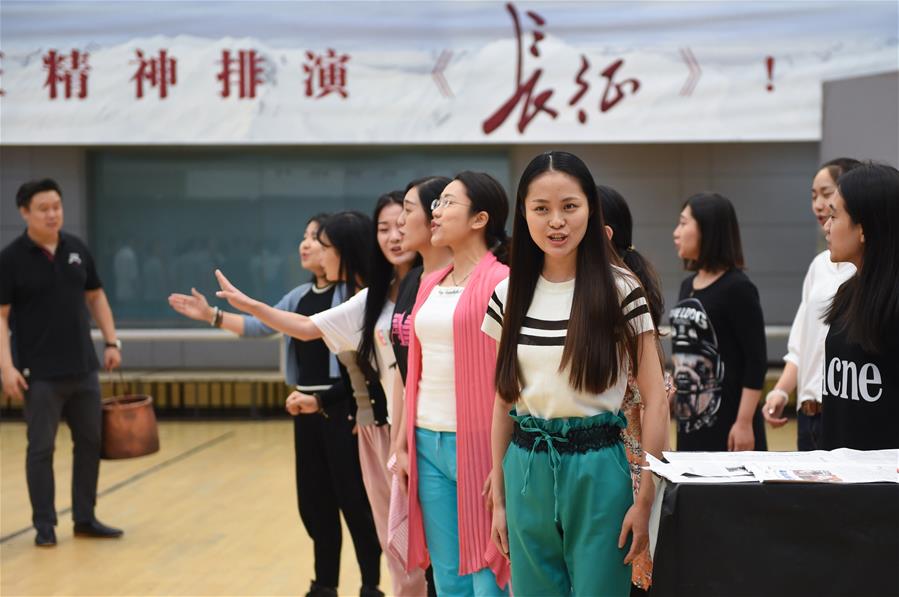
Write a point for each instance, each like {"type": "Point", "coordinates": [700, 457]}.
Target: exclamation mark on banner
{"type": "Point", "coordinates": [769, 63]}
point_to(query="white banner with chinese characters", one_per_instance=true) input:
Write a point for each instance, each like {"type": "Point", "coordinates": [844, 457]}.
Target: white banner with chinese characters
{"type": "Point", "coordinates": [96, 73]}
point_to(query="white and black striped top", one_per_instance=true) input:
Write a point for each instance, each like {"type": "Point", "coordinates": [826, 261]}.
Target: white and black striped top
{"type": "Point", "coordinates": [546, 392]}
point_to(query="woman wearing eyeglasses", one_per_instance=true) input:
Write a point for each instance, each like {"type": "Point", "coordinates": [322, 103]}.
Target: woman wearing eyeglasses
{"type": "Point", "coordinates": [449, 393]}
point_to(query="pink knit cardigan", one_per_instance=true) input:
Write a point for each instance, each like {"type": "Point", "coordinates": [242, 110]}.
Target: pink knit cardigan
{"type": "Point", "coordinates": [475, 364]}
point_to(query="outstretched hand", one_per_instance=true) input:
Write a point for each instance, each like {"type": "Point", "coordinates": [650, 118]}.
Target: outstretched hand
{"type": "Point", "coordinates": [193, 305]}
{"type": "Point", "coordinates": [233, 295]}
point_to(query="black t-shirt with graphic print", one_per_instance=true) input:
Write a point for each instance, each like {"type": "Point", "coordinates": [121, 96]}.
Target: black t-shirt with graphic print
{"type": "Point", "coordinates": [860, 395]}
{"type": "Point", "coordinates": [718, 348]}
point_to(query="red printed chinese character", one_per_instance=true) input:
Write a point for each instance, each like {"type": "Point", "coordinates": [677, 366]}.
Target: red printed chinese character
{"type": "Point", "coordinates": [532, 105]}
{"type": "Point", "coordinates": [70, 70]}
{"type": "Point", "coordinates": [248, 68]}
{"type": "Point", "coordinates": [156, 72]}
{"type": "Point", "coordinates": [326, 74]}
{"type": "Point", "coordinates": [583, 86]}
{"type": "Point", "coordinates": [610, 98]}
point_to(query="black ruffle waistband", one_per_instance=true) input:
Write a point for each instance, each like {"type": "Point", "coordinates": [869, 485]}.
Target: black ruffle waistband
{"type": "Point", "coordinates": [578, 440]}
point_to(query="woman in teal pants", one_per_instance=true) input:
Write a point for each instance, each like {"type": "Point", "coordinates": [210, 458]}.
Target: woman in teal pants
{"type": "Point", "coordinates": [572, 323]}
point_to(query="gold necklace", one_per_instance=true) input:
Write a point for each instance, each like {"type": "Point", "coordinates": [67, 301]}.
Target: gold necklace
{"type": "Point", "coordinates": [453, 276]}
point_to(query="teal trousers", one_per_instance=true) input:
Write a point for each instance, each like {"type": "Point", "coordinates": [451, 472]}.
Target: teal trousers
{"type": "Point", "coordinates": [564, 512]}
{"type": "Point", "coordinates": [436, 453]}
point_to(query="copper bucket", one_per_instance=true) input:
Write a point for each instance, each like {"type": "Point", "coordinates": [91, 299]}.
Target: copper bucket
{"type": "Point", "coordinates": [129, 427]}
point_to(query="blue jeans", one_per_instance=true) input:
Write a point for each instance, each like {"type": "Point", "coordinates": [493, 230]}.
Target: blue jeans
{"type": "Point", "coordinates": [808, 432]}
{"type": "Point", "coordinates": [436, 461]}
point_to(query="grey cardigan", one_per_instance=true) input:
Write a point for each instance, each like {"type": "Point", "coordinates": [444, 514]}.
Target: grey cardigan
{"type": "Point", "coordinates": [253, 328]}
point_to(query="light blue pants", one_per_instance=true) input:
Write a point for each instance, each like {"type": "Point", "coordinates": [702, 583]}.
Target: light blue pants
{"type": "Point", "coordinates": [436, 460]}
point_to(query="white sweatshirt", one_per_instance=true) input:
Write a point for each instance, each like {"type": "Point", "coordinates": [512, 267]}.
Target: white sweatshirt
{"type": "Point", "coordinates": [806, 344]}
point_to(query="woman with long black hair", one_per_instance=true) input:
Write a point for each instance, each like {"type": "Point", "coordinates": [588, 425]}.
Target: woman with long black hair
{"type": "Point", "coordinates": [572, 325]}
{"type": "Point", "coordinates": [359, 332]}
{"type": "Point", "coordinates": [861, 353]}
{"type": "Point", "coordinates": [328, 475]}
{"type": "Point", "coordinates": [415, 230]}
{"type": "Point", "coordinates": [414, 226]}
{"type": "Point", "coordinates": [718, 334]}
{"type": "Point", "coordinates": [449, 391]}
{"type": "Point", "coordinates": [619, 226]}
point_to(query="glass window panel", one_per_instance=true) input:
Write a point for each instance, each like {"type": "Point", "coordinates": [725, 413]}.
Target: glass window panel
{"type": "Point", "coordinates": [163, 219]}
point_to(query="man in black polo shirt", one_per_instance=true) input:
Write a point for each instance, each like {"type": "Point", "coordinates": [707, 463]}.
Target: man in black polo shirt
{"type": "Point", "coordinates": [48, 284]}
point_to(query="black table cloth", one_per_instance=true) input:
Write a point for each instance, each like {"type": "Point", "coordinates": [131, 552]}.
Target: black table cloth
{"type": "Point", "coordinates": [792, 539]}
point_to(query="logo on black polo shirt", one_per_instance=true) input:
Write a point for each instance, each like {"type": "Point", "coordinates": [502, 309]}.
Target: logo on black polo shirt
{"type": "Point", "coordinates": [74, 258]}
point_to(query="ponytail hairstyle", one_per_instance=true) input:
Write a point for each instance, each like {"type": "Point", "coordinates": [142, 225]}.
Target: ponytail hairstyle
{"type": "Point", "coordinates": [866, 306]}
{"type": "Point", "coordinates": [617, 216]}
{"type": "Point", "coordinates": [345, 230]}
{"type": "Point", "coordinates": [381, 275]}
{"type": "Point", "coordinates": [429, 188]}
{"type": "Point", "coordinates": [598, 336]}
{"type": "Point", "coordinates": [488, 195]}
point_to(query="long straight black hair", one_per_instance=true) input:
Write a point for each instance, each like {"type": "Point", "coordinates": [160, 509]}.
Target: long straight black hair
{"type": "Point", "coordinates": [381, 275]}
{"type": "Point", "coordinates": [598, 334]}
{"type": "Point", "coordinates": [617, 216]}
{"type": "Point", "coordinates": [866, 306]}
{"type": "Point", "coordinates": [344, 230]}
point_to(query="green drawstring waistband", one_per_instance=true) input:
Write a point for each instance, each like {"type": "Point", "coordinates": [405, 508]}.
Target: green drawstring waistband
{"type": "Point", "coordinates": [592, 433]}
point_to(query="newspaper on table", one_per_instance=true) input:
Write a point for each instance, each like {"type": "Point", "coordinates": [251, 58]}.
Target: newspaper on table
{"type": "Point", "coordinates": [700, 471]}
{"type": "Point", "coordinates": [819, 466]}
